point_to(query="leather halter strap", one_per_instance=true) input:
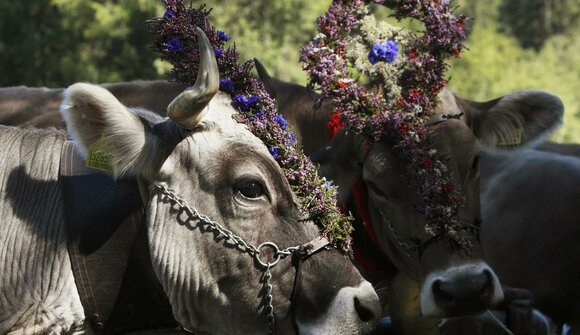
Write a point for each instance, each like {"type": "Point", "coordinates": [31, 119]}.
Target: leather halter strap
{"type": "Point", "coordinates": [305, 251]}
{"type": "Point", "coordinates": [108, 249]}
{"type": "Point", "coordinates": [438, 118]}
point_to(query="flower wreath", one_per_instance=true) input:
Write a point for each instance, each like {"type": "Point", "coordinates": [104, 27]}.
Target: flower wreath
{"type": "Point", "coordinates": [175, 40]}
{"type": "Point", "coordinates": [404, 73]}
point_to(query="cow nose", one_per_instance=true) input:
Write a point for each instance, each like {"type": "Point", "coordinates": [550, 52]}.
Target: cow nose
{"type": "Point", "coordinates": [464, 294]}
{"type": "Point", "coordinates": [368, 309]}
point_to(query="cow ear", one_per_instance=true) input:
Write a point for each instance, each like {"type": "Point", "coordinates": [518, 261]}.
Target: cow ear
{"type": "Point", "coordinates": [519, 118]}
{"type": "Point", "coordinates": [265, 78]}
{"type": "Point", "coordinates": [94, 116]}
{"type": "Point", "coordinates": [341, 161]}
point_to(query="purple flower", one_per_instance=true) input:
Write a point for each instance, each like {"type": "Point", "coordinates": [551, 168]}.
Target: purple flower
{"type": "Point", "coordinates": [384, 52]}
{"type": "Point", "coordinates": [292, 138]}
{"type": "Point", "coordinates": [226, 85]}
{"type": "Point", "coordinates": [245, 103]}
{"type": "Point", "coordinates": [280, 120]}
{"type": "Point", "coordinates": [218, 52]}
{"type": "Point", "coordinates": [275, 152]}
{"type": "Point", "coordinates": [169, 14]}
{"type": "Point", "coordinates": [223, 36]}
{"type": "Point", "coordinates": [174, 44]}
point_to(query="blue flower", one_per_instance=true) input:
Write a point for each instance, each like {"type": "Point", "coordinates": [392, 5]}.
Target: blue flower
{"type": "Point", "coordinates": [260, 114]}
{"type": "Point", "coordinates": [223, 36]}
{"type": "Point", "coordinates": [292, 138]}
{"type": "Point", "coordinates": [169, 13]}
{"type": "Point", "coordinates": [384, 52]}
{"type": "Point", "coordinates": [252, 100]}
{"type": "Point", "coordinates": [275, 152]}
{"type": "Point", "coordinates": [244, 103]}
{"type": "Point", "coordinates": [218, 52]}
{"type": "Point", "coordinates": [327, 185]}
{"type": "Point", "coordinates": [226, 85]}
{"type": "Point", "coordinates": [174, 44]}
{"type": "Point", "coordinates": [280, 119]}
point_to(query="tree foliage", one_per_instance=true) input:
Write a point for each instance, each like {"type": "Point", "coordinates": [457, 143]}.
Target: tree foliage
{"type": "Point", "coordinates": [515, 44]}
{"type": "Point", "coordinates": [272, 31]}
{"type": "Point", "coordinates": [56, 42]}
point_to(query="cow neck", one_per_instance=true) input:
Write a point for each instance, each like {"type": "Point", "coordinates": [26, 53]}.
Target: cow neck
{"type": "Point", "coordinates": [109, 252]}
{"type": "Point", "coordinates": [368, 252]}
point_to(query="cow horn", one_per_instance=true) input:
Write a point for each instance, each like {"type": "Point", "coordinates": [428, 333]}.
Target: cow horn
{"type": "Point", "coordinates": [187, 108]}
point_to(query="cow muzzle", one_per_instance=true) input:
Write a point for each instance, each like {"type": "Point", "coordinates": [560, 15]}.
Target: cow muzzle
{"type": "Point", "coordinates": [460, 290]}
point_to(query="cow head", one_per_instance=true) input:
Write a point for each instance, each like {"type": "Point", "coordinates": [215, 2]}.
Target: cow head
{"type": "Point", "coordinates": [226, 173]}
{"type": "Point", "coordinates": [453, 281]}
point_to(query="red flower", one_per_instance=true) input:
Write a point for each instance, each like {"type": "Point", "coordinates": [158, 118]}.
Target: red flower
{"type": "Point", "coordinates": [459, 25]}
{"type": "Point", "coordinates": [447, 188]}
{"type": "Point", "coordinates": [341, 83]}
{"type": "Point", "coordinates": [456, 53]}
{"type": "Point", "coordinates": [400, 101]}
{"type": "Point", "coordinates": [427, 164]}
{"type": "Point", "coordinates": [414, 94]}
{"type": "Point", "coordinates": [403, 128]}
{"type": "Point", "coordinates": [413, 54]}
{"type": "Point", "coordinates": [335, 124]}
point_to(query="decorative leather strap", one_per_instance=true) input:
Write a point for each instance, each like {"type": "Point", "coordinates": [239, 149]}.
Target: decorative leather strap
{"type": "Point", "coordinates": [108, 248]}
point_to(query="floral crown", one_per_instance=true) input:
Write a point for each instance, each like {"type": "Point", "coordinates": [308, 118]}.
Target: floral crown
{"type": "Point", "coordinates": [402, 74]}
{"type": "Point", "coordinates": [176, 41]}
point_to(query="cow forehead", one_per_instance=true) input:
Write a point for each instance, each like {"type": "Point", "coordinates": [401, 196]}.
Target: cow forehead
{"type": "Point", "coordinates": [219, 127]}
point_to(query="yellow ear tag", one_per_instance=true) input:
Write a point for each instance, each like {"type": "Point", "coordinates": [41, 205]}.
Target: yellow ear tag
{"type": "Point", "coordinates": [516, 138]}
{"type": "Point", "coordinates": [100, 156]}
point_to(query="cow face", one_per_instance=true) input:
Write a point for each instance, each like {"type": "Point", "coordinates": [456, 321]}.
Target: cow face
{"type": "Point", "coordinates": [223, 171]}
{"type": "Point", "coordinates": [453, 281]}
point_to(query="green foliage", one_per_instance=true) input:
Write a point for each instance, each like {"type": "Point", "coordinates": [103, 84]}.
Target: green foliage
{"type": "Point", "coordinates": [269, 30]}
{"type": "Point", "coordinates": [533, 22]}
{"type": "Point", "coordinates": [56, 42]}
{"type": "Point", "coordinates": [496, 65]}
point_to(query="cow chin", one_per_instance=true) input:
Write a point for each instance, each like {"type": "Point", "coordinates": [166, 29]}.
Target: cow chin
{"type": "Point", "coordinates": [345, 315]}
{"type": "Point", "coordinates": [460, 290]}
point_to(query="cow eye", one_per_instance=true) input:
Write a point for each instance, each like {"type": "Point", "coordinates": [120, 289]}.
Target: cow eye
{"type": "Point", "coordinates": [475, 163]}
{"type": "Point", "coordinates": [374, 188]}
{"type": "Point", "coordinates": [250, 189]}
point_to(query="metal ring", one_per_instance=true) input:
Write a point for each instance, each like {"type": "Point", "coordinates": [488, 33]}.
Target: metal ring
{"type": "Point", "coordinates": [277, 254]}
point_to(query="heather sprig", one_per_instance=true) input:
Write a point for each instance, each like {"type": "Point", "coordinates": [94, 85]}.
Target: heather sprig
{"type": "Point", "coordinates": [410, 68]}
{"type": "Point", "coordinates": [258, 110]}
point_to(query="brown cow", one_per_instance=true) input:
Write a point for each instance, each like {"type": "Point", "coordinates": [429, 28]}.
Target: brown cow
{"type": "Point", "coordinates": [541, 111]}
{"type": "Point", "coordinates": [23, 106]}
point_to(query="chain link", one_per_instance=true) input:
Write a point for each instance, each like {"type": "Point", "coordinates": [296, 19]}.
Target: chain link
{"type": "Point", "coordinates": [269, 300]}
{"type": "Point", "coordinates": [242, 245]}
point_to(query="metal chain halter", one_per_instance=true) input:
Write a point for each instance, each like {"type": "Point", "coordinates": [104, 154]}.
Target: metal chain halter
{"type": "Point", "coordinates": [307, 249]}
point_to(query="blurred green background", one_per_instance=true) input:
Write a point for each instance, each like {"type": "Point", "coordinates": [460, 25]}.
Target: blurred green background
{"type": "Point", "coordinates": [514, 44]}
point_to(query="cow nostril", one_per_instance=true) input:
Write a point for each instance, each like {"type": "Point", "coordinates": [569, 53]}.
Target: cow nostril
{"type": "Point", "coordinates": [486, 291]}
{"type": "Point", "coordinates": [365, 313]}
{"type": "Point", "coordinates": [442, 297]}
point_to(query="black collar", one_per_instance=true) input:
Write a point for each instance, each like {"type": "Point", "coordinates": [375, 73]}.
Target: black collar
{"type": "Point", "coordinates": [108, 247]}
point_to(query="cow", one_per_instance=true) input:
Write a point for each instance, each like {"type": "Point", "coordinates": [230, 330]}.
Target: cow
{"type": "Point", "coordinates": [531, 227]}
{"type": "Point", "coordinates": [311, 128]}
{"type": "Point", "coordinates": [212, 193]}
{"type": "Point", "coordinates": [567, 149]}
{"type": "Point", "coordinates": [38, 107]}
{"type": "Point", "coordinates": [520, 118]}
